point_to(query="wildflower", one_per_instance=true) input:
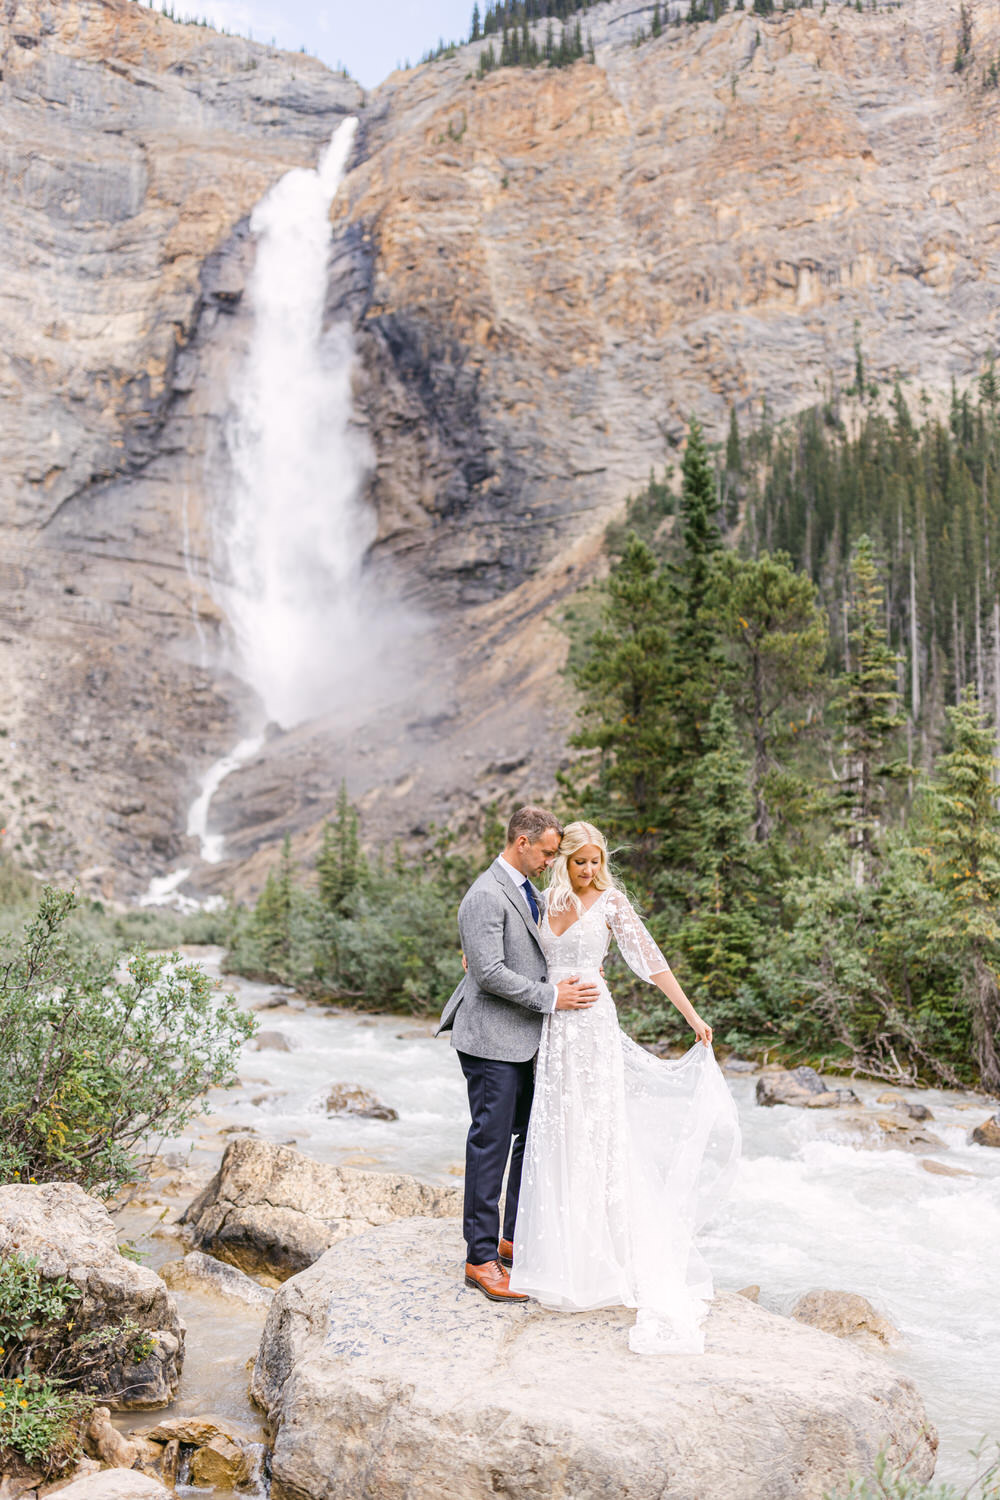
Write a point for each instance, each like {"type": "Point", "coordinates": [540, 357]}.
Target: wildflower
{"type": "Point", "coordinates": [23, 1405]}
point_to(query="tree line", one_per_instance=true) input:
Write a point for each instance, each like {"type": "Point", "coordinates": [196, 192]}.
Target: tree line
{"type": "Point", "coordinates": [806, 815]}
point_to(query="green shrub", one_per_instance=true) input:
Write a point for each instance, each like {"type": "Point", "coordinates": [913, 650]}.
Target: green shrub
{"type": "Point", "coordinates": [884, 1484]}
{"type": "Point", "coordinates": [41, 1421]}
{"type": "Point", "coordinates": [94, 1060]}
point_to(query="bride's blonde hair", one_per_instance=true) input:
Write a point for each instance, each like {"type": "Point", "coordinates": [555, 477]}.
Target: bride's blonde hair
{"type": "Point", "coordinates": [560, 895]}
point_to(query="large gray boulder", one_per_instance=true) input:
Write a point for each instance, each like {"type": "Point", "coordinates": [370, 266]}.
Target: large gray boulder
{"type": "Point", "coordinates": [802, 1087]}
{"type": "Point", "coordinates": [383, 1375]}
{"type": "Point", "coordinates": [73, 1236]}
{"type": "Point", "coordinates": [270, 1210]}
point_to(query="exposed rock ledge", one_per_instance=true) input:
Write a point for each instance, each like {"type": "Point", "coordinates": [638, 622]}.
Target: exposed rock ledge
{"type": "Point", "coordinates": [380, 1355]}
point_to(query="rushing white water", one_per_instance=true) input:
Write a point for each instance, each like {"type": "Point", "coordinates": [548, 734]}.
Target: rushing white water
{"type": "Point", "coordinates": [808, 1210]}
{"type": "Point", "coordinates": [294, 533]}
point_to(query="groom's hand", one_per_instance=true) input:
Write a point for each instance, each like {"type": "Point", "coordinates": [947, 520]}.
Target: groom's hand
{"type": "Point", "coordinates": [575, 994]}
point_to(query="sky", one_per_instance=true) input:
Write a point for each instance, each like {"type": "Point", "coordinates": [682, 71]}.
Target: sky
{"type": "Point", "coordinates": [367, 37]}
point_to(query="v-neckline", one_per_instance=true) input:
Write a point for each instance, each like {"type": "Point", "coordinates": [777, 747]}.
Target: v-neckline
{"type": "Point", "coordinates": [576, 920]}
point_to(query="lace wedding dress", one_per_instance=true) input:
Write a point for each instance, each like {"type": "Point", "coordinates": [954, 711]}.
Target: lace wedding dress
{"type": "Point", "coordinates": [626, 1153]}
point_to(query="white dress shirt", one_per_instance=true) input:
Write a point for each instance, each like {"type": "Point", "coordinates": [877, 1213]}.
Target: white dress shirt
{"type": "Point", "coordinates": [515, 876]}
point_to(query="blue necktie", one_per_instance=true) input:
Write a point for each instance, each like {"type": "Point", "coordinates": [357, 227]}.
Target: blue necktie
{"type": "Point", "coordinates": [529, 893]}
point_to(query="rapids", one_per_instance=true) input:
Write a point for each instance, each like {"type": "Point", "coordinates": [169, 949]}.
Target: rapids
{"type": "Point", "coordinates": [808, 1209]}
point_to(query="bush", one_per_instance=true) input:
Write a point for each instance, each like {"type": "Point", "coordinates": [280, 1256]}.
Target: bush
{"type": "Point", "coordinates": [94, 1060]}
{"type": "Point", "coordinates": [41, 1421]}
{"type": "Point", "coordinates": [884, 1484]}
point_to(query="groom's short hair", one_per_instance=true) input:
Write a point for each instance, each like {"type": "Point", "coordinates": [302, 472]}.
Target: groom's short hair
{"type": "Point", "coordinates": [532, 822]}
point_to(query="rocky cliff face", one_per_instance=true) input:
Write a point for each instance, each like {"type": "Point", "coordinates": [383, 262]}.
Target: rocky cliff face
{"type": "Point", "coordinates": [546, 272]}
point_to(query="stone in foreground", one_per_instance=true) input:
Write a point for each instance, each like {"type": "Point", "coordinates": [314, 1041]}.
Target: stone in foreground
{"type": "Point", "coordinates": [272, 1210]}
{"type": "Point", "coordinates": [116, 1484]}
{"type": "Point", "coordinates": [380, 1355]}
{"type": "Point", "coordinates": [72, 1235]}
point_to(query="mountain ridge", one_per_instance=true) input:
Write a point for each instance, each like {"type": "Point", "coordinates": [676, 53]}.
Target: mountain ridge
{"type": "Point", "coordinates": [546, 271]}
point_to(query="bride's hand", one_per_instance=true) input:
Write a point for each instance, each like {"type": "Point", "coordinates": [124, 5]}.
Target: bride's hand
{"type": "Point", "coordinates": [702, 1030]}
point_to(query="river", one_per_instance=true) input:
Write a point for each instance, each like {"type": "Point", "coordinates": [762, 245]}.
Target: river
{"type": "Point", "coordinates": [808, 1210]}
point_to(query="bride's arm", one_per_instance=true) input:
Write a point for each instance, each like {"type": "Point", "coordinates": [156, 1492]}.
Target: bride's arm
{"type": "Point", "coordinates": [668, 983]}
{"type": "Point", "coordinates": [645, 959]}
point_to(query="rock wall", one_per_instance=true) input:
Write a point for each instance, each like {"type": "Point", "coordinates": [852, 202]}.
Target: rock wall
{"type": "Point", "coordinates": [546, 272]}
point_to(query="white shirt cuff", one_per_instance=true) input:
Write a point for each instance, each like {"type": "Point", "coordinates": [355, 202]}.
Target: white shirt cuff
{"type": "Point", "coordinates": [555, 996]}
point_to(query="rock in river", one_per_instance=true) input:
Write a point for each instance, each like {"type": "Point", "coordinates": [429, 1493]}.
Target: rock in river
{"type": "Point", "coordinates": [844, 1314]}
{"type": "Point", "coordinates": [203, 1273]}
{"type": "Point", "coordinates": [72, 1235]}
{"type": "Point", "coordinates": [349, 1099]}
{"type": "Point", "coordinates": [270, 1209]}
{"type": "Point", "coordinates": [988, 1133]}
{"type": "Point", "coordinates": [381, 1355]}
{"type": "Point", "coordinates": [801, 1086]}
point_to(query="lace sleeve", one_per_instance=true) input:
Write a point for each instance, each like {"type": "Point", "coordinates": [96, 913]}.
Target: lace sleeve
{"type": "Point", "coordinates": [634, 942]}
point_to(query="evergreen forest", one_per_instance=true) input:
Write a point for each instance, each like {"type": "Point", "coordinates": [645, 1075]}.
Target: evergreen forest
{"type": "Point", "coordinates": [788, 690]}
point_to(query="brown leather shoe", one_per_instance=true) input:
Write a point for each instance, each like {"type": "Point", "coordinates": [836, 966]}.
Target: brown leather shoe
{"type": "Point", "coordinates": [493, 1281]}
{"type": "Point", "coordinates": [505, 1253]}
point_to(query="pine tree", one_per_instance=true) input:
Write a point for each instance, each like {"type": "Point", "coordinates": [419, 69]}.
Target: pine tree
{"type": "Point", "coordinates": [963, 850]}
{"type": "Point", "coordinates": [772, 619]}
{"type": "Point", "coordinates": [868, 703]}
{"type": "Point", "coordinates": [720, 935]}
{"type": "Point", "coordinates": [699, 530]}
{"type": "Point", "coordinates": [625, 683]}
{"type": "Point", "coordinates": [475, 30]}
{"type": "Point", "coordinates": [340, 865]}
{"type": "Point", "coordinates": [270, 926]}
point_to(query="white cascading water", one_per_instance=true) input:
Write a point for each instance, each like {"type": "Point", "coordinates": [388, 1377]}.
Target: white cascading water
{"type": "Point", "coordinates": [293, 538]}
{"type": "Point", "coordinates": [808, 1209]}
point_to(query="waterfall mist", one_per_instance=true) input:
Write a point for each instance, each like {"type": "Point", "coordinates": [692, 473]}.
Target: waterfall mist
{"type": "Point", "coordinates": [294, 533]}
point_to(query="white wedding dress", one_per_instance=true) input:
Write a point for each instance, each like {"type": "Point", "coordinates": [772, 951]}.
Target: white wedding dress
{"type": "Point", "coordinates": [626, 1153]}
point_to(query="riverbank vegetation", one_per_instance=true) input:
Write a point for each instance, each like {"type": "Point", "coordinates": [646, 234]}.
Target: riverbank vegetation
{"type": "Point", "coordinates": [789, 687]}
{"type": "Point", "coordinates": [100, 1053]}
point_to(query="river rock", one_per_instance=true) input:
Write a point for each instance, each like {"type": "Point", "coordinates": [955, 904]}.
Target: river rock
{"type": "Point", "coordinates": [73, 1236]}
{"type": "Point", "coordinates": [198, 1431]}
{"type": "Point", "coordinates": [272, 1210]}
{"type": "Point", "coordinates": [988, 1133]}
{"type": "Point", "coordinates": [800, 1086]}
{"type": "Point", "coordinates": [349, 1099]}
{"type": "Point", "coordinates": [116, 1484]}
{"type": "Point", "coordinates": [381, 1355]}
{"type": "Point", "coordinates": [885, 1133]}
{"type": "Point", "coordinates": [203, 1273]}
{"type": "Point", "coordinates": [102, 1440]}
{"type": "Point", "coordinates": [271, 1041]}
{"type": "Point", "coordinates": [220, 1463]}
{"type": "Point", "coordinates": [915, 1111]}
{"type": "Point", "coordinates": [942, 1169]}
{"type": "Point", "coordinates": [844, 1314]}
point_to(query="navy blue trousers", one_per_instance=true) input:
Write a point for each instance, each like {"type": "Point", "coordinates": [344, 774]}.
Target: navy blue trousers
{"type": "Point", "coordinates": [500, 1103]}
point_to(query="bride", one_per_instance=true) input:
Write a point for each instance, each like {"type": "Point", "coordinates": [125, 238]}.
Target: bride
{"type": "Point", "coordinates": [626, 1153]}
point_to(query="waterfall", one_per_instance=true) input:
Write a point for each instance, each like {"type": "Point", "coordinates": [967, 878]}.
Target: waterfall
{"type": "Point", "coordinates": [294, 533]}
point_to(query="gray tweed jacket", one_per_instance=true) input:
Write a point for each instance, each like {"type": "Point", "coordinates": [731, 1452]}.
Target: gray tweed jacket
{"type": "Point", "coordinates": [497, 1009]}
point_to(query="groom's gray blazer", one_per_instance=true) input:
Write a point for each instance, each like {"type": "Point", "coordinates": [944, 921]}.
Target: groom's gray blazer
{"type": "Point", "coordinates": [497, 1009]}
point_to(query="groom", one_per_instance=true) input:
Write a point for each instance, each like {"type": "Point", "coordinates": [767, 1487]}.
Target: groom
{"type": "Point", "coordinates": [495, 1019]}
